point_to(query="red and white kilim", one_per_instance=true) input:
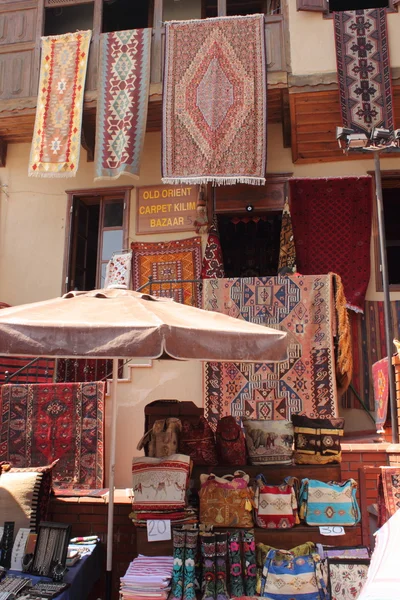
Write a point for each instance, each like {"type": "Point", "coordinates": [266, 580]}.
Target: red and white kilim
{"type": "Point", "coordinates": [214, 101]}
{"type": "Point", "coordinates": [56, 138]}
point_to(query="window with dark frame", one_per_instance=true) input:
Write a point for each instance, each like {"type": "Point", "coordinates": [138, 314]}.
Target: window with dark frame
{"type": "Point", "coordinates": [98, 228]}
{"type": "Point", "coordinates": [118, 15]}
{"type": "Point", "coordinates": [68, 19]}
{"type": "Point", "coordinates": [391, 207]}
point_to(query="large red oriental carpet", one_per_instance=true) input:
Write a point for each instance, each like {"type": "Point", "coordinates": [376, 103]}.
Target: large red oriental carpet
{"type": "Point", "coordinates": [331, 221]}
{"type": "Point", "coordinates": [41, 423]}
{"type": "Point", "coordinates": [305, 383]}
{"type": "Point", "coordinates": [215, 101]}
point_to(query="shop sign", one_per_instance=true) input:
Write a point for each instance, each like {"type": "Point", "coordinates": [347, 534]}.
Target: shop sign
{"type": "Point", "coordinates": [166, 208]}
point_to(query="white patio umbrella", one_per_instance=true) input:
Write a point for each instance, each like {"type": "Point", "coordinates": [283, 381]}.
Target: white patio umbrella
{"type": "Point", "coordinates": [117, 324]}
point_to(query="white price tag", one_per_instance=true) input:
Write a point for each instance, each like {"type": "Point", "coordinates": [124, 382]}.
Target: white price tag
{"type": "Point", "coordinates": [332, 530]}
{"type": "Point", "coordinates": [158, 530]}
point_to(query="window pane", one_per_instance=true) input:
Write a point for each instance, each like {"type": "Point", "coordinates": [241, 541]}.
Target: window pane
{"type": "Point", "coordinates": [103, 274]}
{"type": "Point", "coordinates": [113, 214]}
{"type": "Point", "coordinates": [181, 11]}
{"type": "Point", "coordinates": [112, 242]}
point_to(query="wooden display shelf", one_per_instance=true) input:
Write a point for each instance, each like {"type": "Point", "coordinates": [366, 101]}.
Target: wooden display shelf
{"type": "Point", "coordinates": [278, 538]}
{"type": "Point", "coordinates": [274, 473]}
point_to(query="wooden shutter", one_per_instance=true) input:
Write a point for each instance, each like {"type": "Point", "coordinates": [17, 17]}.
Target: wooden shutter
{"type": "Point", "coordinates": [313, 5]}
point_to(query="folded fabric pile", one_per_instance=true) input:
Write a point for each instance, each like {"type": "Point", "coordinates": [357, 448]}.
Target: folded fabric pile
{"type": "Point", "coordinates": [147, 577]}
{"type": "Point", "coordinates": [186, 516]}
{"type": "Point", "coordinates": [160, 489]}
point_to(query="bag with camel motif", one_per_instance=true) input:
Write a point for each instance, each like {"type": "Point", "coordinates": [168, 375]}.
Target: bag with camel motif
{"type": "Point", "coordinates": [269, 442]}
{"type": "Point", "coordinates": [160, 483]}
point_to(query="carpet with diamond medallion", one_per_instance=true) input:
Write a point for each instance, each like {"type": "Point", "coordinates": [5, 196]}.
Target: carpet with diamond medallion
{"type": "Point", "coordinates": [56, 140]}
{"type": "Point", "coordinates": [305, 382]}
{"type": "Point", "coordinates": [122, 102]}
{"type": "Point", "coordinates": [215, 101]}
{"type": "Point", "coordinates": [41, 423]}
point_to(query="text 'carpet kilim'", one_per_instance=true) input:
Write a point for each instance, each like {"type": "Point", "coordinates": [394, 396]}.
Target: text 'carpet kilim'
{"type": "Point", "coordinates": [40, 423]}
{"type": "Point", "coordinates": [305, 383]}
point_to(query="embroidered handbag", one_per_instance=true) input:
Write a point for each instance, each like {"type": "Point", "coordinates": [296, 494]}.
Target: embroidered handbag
{"type": "Point", "coordinates": [346, 577]}
{"type": "Point", "coordinates": [226, 501]}
{"type": "Point", "coordinates": [269, 442]}
{"type": "Point", "coordinates": [197, 441]}
{"type": "Point", "coordinates": [162, 439]}
{"type": "Point", "coordinates": [275, 505]}
{"type": "Point", "coordinates": [160, 483]}
{"type": "Point", "coordinates": [289, 576]}
{"type": "Point", "coordinates": [317, 441]}
{"type": "Point", "coordinates": [231, 445]}
{"type": "Point", "coordinates": [329, 503]}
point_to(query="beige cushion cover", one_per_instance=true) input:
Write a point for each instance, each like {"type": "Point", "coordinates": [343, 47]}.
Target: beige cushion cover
{"type": "Point", "coordinates": [17, 492]}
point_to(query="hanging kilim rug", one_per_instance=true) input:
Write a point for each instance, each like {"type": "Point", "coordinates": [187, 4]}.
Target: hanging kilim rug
{"type": "Point", "coordinates": [215, 101]}
{"type": "Point", "coordinates": [287, 250]}
{"type": "Point", "coordinates": [331, 221]}
{"type": "Point", "coordinates": [168, 261]}
{"type": "Point", "coordinates": [40, 423]}
{"type": "Point", "coordinates": [363, 69]}
{"type": "Point", "coordinates": [56, 140]}
{"type": "Point", "coordinates": [368, 346]}
{"type": "Point", "coordinates": [122, 102]}
{"type": "Point", "coordinates": [40, 371]}
{"type": "Point", "coordinates": [305, 383]}
{"type": "Point", "coordinates": [390, 486]}
{"type": "Point", "coordinates": [380, 377]}
{"type": "Point", "coordinates": [213, 262]}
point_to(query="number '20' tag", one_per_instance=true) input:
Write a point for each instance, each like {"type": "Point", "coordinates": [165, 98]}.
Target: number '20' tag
{"type": "Point", "coordinates": [158, 530]}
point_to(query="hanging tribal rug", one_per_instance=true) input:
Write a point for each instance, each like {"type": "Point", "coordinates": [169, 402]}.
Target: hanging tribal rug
{"type": "Point", "coordinates": [363, 69]}
{"type": "Point", "coordinates": [166, 261]}
{"type": "Point", "coordinates": [388, 493]}
{"type": "Point", "coordinates": [369, 346]}
{"type": "Point", "coordinates": [56, 138]}
{"type": "Point", "coordinates": [287, 250]}
{"type": "Point", "coordinates": [213, 262]}
{"type": "Point", "coordinates": [215, 101]}
{"type": "Point", "coordinates": [40, 423]}
{"type": "Point", "coordinates": [40, 371]}
{"type": "Point", "coordinates": [305, 383]}
{"type": "Point", "coordinates": [122, 102]}
{"type": "Point", "coordinates": [380, 378]}
{"type": "Point", "coordinates": [331, 221]}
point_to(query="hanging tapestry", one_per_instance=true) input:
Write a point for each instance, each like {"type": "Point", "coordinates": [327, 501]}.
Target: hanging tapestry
{"type": "Point", "coordinates": [363, 69]}
{"type": "Point", "coordinates": [305, 383]}
{"type": "Point", "coordinates": [215, 101]}
{"type": "Point", "coordinates": [56, 140]}
{"type": "Point", "coordinates": [118, 271]}
{"type": "Point", "coordinates": [41, 371]}
{"type": "Point", "coordinates": [213, 262]}
{"type": "Point", "coordinates": [122, 100]}
{"type": "Point", "coordinates": [287, 250]}
{"type": "Point", "coordinates": [369, 346]}
{"type": "Point", "coordinates": [389, 493]}
{"type": "Point", "coordinates": [169, 261]}
{"type": "Point", "coordinates": [332, 230]}
{"type": "Point", "coordinates": [41, 423]}
{"type": "Point", "coordinates": [380, 379]}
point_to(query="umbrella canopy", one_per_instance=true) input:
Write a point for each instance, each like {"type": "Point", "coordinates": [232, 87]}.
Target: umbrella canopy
{"type": "Point", "coordinates": [121, 323]}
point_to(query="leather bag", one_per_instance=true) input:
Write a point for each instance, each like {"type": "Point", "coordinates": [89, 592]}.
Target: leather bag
{"type": "Point", "coordinates": [162, 439]}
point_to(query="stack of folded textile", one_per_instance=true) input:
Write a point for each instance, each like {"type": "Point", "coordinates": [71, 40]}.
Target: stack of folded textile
{"type": "Point", "coordinates": [147, 578]}
{"type": "Point", "coordinates": [160, 490]}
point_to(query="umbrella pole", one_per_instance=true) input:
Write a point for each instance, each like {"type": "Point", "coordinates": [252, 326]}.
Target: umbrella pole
{"type": "Point", "coordinates": [111, 475]}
